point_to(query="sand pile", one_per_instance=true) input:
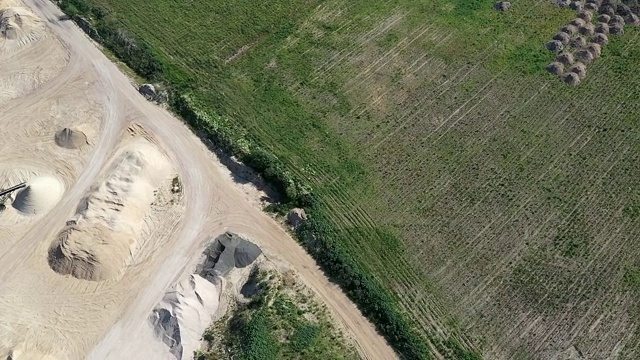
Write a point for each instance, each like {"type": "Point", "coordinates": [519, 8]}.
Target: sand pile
{"type": "Point", "coordinates": [604, 18]}
{"type": "Point", "coordinates": [591, 7]}
{"type": "Point", "coordinates": [616, 29]}
{"type": "Point", "coordinates": [577, 22]}
{"type": "Point", "coordinates": [40, 195]}
{"type": "Point", "coordinates": [227, 252]}
{"type": "Point", "coordinates": [595, 50]}
{"type": "Point", "coordinates": [101, 238]}
{"type": "Point", "coordinates": [92, 253]}
{"type": "Point", "coordinates": [183, 314]}
{"type": "Point", "coordinates": [602, 28]}
{"type": "Point", "coordinates": [70, 139]}
{"type": "Point", "coordinates": [19, 27]}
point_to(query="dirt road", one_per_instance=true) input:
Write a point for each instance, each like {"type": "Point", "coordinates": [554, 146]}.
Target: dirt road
{"type": "Point", "coordinates": [213, 203]}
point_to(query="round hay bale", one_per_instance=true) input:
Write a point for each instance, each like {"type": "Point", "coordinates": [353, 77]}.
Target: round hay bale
{"type": "Point", "coordinates": [554, 45]}
{"type": "Point", "coordinates": [40, 195]}
{"type": "Point", "coordinates": [616, 29]}
{"type": "Point", "coordinates": [576, 5]}
{"type": "Point", "coordinates": [577, 22]}
{"type": "Point", "coordinates": [587, 16]}
{"type": "Point", "coordinates": [607, 10]}
{"type": "Point", "coordinates": [616, 19]}
{"type": "Point", "coordinates": [569, 29]}
{"type": "Point", "coordinates": [587, 29]}
{"type": "Point", "coordinates": [595, 50]}
{"type": "Point", "coordinates": [591, 7]}
{"type": "Point", "coordinates": [502, 6]}
{"type": "Point", "coordinates": [563, 37]}
{"type": "Point", "coordinates": [602, 28]}
{"type": "Point", "coordinates": [584, 55]}
{"type": "Point", "coordinates": [571, 79]}
{"type": "Point", "coordinates": [600, 39]}
{"type": "Point", "coordinates": [623, 10]}
{"type": "Point", "coordinates": [70, 139]}
{"type": "Point", "coordinates": [579, 69]}
{"type": "Point", "coordinates": [563, 3]}
{"type": "Point", "coordinates": [596, 2]}
{"type": "Point", "coordinates": [565, 58]}
{"type": "Point", "coordinates": [604, 18]}
{"type": "Point", "coordinates": [555, 68]}
{"type": "Point", "coordinates": [633, 20]}
{"type": "Point", "coordinates": [578, 42]}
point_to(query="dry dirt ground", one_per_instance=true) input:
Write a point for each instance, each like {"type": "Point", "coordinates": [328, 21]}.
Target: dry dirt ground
{"type": "Point", "coordinates": [76, 280]}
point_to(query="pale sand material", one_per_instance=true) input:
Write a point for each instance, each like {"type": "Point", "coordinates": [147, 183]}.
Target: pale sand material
{"type": "Point", "coordinates": [70, 139]}
{"type": "Point", "coordinates": [18, 27]}
{"type": "Point", "coordinates": [101, 238]}
{"type": "Point", "coordinates": [181, 317]}
{"type": "Point", "coordinates": [39, 196]}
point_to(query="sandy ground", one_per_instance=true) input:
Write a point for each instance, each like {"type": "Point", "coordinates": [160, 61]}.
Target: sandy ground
{"type": "Point", "coordinates": [59, 79]}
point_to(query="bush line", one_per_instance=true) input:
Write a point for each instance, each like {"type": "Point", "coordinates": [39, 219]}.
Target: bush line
{"type": "Point", "coordinates": [315, 235]}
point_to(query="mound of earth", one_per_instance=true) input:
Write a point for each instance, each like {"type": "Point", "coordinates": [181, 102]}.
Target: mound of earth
{"type": "Point", "coordinates": [502, 6]}
{"type": "Point", "coordinates": [555, 68]}
{"type": "Point", "coordinates": [19, 27]}
{"type": "Point", "coordinates": [563, 3]}
{"type": "Point", "coordinates": [633, 20]}
{"type": "Point", "coordinates": [565, 58]}
{"type": "Point", "coordinates": [572, 79]}
{"type": "Point", "coordinates": [228, 251]}
{"type": "Point", "coordinates": [92, 253]}
{"type": "Point", "coordinates": [40, 195]}
{"type": "Point", "coordinates": [183, 314]}
{"type": "Point", "coordinates": [296, 217]}
{"type": "Point", "coordinates": [70, 139]}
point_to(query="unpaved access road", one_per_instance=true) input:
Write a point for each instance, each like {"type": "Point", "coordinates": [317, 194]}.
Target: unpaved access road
{"type": "Point", "coordinates": [64, 317]}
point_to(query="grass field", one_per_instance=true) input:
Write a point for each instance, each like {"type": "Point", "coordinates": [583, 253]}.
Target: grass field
{"type": "Point", "coordinates": [500, 206]}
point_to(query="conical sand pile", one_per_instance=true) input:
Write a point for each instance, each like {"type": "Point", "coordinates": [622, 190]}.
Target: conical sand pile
{"type": "Point", "coordinates": [18, 27]}
{"type": "Point", "coordinates": [40, 195]}
{"type": "Point", "coordinates": [70, 139]}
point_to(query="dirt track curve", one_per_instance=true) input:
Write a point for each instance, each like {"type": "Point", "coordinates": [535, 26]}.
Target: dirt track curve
{"type": "Point", "coordinates": [111, 312]}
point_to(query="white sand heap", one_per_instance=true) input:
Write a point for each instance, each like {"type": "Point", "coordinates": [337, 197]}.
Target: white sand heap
{"type": "Point", "coordinates": [99, 242]}
{"type": "Point", "coordinates": [18, 27]}
{"type": "Point", "coordinates": [70, 139]}
{"type": "Point", "coordinates": [39, 196]}
{"type": "Point", "coordinates": [182, 316]}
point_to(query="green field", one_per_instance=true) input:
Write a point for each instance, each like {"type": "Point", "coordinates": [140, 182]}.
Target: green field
{"type": "Point", "coordinates": [499, 206]}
